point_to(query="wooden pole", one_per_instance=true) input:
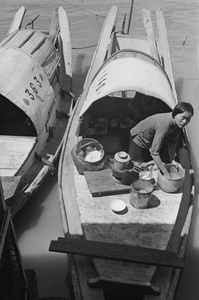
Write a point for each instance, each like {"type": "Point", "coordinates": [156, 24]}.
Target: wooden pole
{"type": "Point", "coordinates": [130, 16]}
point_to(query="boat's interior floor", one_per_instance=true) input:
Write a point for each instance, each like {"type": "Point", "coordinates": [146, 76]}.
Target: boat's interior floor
{"type": "Point", "coordinates": [14, 150]}
{"type": "Point", "coordinates": [150, 227]}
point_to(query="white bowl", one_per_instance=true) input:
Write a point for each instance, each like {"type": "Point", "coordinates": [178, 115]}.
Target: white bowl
{"type": "Point", "coordinates": [118, 206]}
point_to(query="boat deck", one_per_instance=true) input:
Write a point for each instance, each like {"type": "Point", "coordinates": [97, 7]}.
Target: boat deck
{"type": "Point", "coordinates": [149, 228]}
{"type": "Point", "coordinates": [13, 152]}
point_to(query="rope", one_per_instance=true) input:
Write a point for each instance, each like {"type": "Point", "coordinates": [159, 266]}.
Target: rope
{"type": "Point", "coordinates": [83, 9]}
{"type": "Point", "coordinates": [84, 47]}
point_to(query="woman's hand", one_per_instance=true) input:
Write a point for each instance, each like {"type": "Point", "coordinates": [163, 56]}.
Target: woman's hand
{"type": "Point", "coordinates": [167, 175]}
{"type": "Point", "coordinates": [161, 166]}
{"type": "Point", "coordinates": [176, 164]}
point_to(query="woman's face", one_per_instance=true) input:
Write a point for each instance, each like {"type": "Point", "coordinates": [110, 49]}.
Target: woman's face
{"type": "Point", "coordinates": [183, 119]}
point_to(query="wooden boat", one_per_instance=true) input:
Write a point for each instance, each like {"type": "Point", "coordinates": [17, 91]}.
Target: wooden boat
{"type": "Point", "coordinates": [35, 100]}
{"type": "Point", "coordinates": [138, 254]}
{"type": "Point", "coordinates": [23, 281]}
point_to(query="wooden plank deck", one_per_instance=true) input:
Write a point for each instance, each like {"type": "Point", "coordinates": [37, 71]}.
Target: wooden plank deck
{"type": "Point", "coordinates": [19, 38]}
{"type": "Point", "coordinates": [149, 228]}
{"type": "Point", "coordinates": [14, 150]}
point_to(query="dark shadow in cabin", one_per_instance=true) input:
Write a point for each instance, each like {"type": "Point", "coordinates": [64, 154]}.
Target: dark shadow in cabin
{"type": "Point", "coordinates": [13, 121]}
{"type": "Point", "coordinates": [110, 119]}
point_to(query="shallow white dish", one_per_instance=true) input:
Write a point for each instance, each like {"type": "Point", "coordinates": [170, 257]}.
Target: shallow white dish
{"type": "Point", "coordinates": [118, 206]}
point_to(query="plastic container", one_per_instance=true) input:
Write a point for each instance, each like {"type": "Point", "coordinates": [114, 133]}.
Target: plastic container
{"type": "Point", "coordinates": [171, 185]}
{"type": "Point", "coordinates": [141, 192]}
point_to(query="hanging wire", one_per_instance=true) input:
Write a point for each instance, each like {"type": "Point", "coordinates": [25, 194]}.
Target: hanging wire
{"type": "Point", "coordinates": [94, 14]}
{"type": "Point", "coordinates": [84, 47]}
{"type": "Point", "coordinates": [83, 9]}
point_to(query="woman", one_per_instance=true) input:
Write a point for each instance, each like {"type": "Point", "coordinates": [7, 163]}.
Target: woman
{"type": "Point", "coordinates": [150, 136]}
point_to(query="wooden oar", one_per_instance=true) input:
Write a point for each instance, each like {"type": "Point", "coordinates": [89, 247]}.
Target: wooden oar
{"type": "Point", "coordinates": [54, 26]}
{"type": "Point", "coordinates": [148, 26]}
{"type": "Point", "coordinates": [164, 48]}
{"type": "Point", "coordinates": [117, 252]}
{"type": "Point", "coordinates": [17, 20]}
{"type": "Point", "coordinates": [66, 41]}
{"type": "Point", "coordinates": [102, 47]}
{"type": "Point", "coordinates": [66, 57]}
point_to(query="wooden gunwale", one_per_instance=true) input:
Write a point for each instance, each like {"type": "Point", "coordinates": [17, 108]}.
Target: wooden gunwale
{"type": "Point", "coordinates": [98, 59]}
{"type": "Point", "coordinates": [175, 239]}
{"type": "Point", "coordinates": [78, 273]}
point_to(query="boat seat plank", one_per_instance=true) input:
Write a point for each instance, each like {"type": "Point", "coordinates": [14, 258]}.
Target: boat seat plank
{"type": "Point", "coordinates": [42, 52]}
{"type": "Point", "coordinates": [103, 183]}
{"type": "Point", "coordinates": [36, 39]}
{"type": "Point", "coordinates": [13, 152]}
{"type": "Point", "coordinates": [50, 64]}
{"type": "Point", "coordinates": [19, 38]}
{"type": "Point", "coordinates": [117, 252]}
{"type": "Point", "coordinates": [103, 282]}
{"type": "Point", "coordinates": [135, 44]}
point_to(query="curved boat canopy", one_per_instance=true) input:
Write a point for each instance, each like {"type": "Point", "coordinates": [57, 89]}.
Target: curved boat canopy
{"type": "Point", "coordinates": [24, 83]}
{"type": "Point", "coordinates": [130, 74]}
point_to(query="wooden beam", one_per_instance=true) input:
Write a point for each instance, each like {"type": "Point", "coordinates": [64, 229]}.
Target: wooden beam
{"type": "Point", "coordinates": [54, 27]}
{"type": "Point", "coordinates": [148, 26]}
{"type": "Point", "coordinates": [17, 20]}
{"type": "Point", "coordinates": [66, 41]}
{"type": "Point", "coordinates": [164, 48]}
{"type": "Point", "coordinates": [117, 252]}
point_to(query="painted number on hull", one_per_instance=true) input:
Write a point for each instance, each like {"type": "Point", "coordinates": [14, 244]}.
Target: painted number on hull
{"type": "Point", "coordinates": [32, 90]}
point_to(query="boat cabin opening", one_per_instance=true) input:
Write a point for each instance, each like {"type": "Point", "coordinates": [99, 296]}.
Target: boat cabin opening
{"type": "Point", "coordinates": [110, 118]}
{"type": "Point", "coordinates": [14, 121]}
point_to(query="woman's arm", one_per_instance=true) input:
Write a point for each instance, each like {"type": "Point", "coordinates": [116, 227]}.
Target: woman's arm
{"type": "Point", "coordinates": [160, 165]}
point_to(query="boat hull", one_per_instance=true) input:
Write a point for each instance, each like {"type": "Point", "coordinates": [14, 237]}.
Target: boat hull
{"type": "Point", "coordinates": [85, 200]}
{"type": "Point", "coordinates": [36, 97]}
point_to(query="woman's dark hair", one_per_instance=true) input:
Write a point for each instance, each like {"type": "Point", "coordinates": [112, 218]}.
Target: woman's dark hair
{"type": "Point", "coordinates": [181, 108]}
